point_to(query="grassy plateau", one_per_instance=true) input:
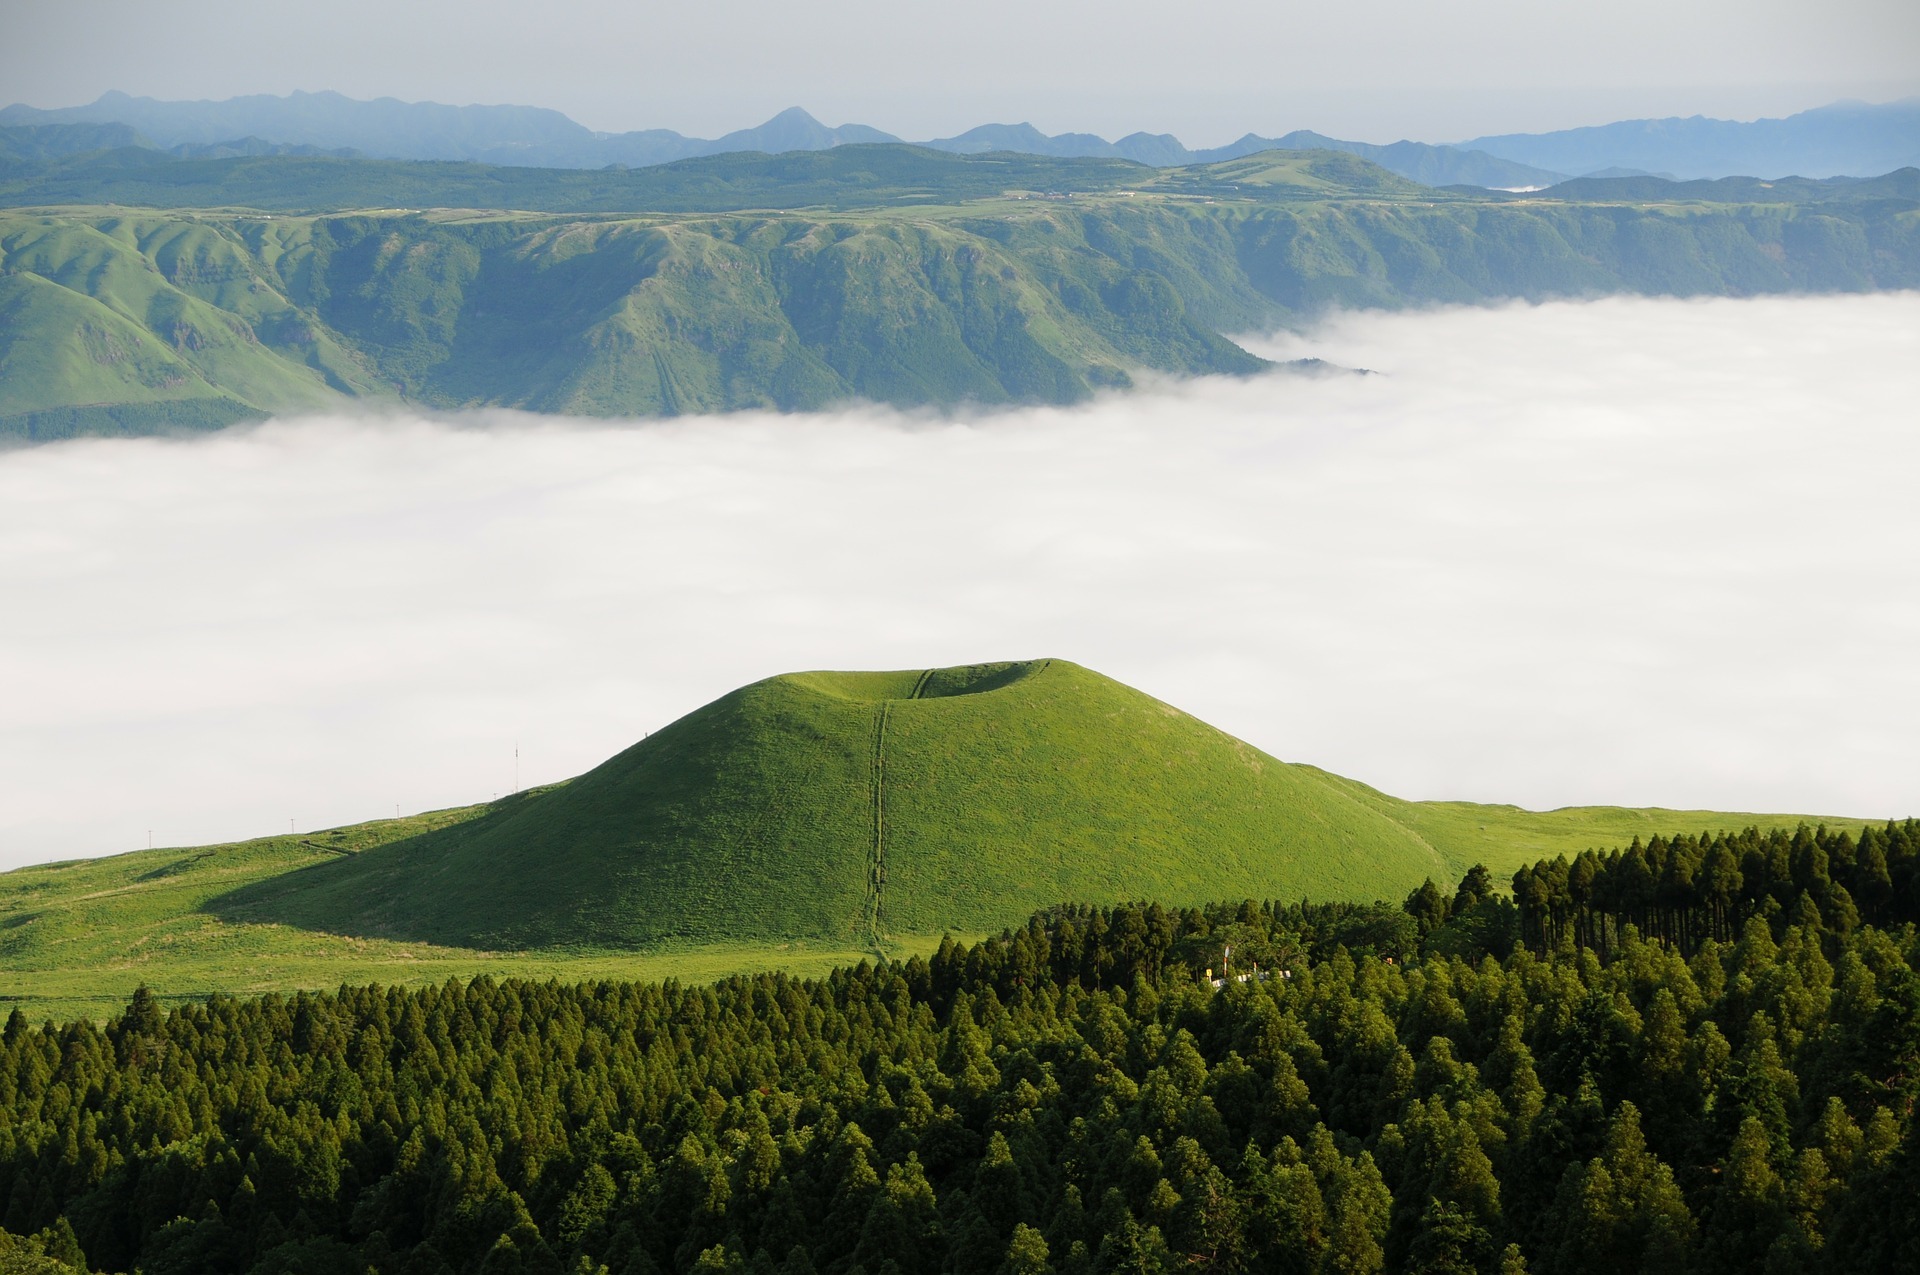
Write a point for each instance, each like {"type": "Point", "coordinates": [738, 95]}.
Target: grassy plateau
{"type": "Point", "coordinates": [800, 822]}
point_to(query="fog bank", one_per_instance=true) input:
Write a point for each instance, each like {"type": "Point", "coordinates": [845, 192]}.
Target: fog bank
{"type": "Point", "coordinates": [1630, 552]}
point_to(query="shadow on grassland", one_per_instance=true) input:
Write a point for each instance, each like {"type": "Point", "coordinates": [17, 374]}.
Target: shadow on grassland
{"type": "Point", "coordinates": [371, 894]}
{"type": "Point", "coordinates": [732, 825]}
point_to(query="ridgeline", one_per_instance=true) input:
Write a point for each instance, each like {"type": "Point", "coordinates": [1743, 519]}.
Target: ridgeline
{"type": "Point", "coordinates": [145, 295]}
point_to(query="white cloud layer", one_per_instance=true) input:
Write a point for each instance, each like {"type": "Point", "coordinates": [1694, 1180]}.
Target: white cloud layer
{"type": "Point", "coordinates": [1628, 551]}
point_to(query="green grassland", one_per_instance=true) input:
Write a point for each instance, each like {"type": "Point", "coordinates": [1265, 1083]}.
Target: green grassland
{"type": "Point", "coordinates": [76, 938]}
{"type": "Point", "coordinates": [799, 822]}
{"type": "Point", "coordinates": [881, 273]}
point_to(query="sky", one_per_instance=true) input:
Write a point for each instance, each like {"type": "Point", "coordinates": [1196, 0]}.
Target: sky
{"type": "Point", "coordinates": [1677, 570]}
{"type": "Point", "coordinates": [1372, 70]}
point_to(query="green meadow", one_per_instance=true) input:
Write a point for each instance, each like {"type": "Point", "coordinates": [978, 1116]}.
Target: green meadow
{"type": "Point", "coordinates": [76, 938]}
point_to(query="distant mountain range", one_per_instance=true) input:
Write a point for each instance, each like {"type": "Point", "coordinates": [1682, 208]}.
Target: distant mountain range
{"type": "Point", "coordinates": [1429, 165]}
{"type": "Point", "coordinates": [532, 136]}
{"type": "Point", "coordinates": [39, 142]}
{"type": "Point", "coordinates": [1846, 139]}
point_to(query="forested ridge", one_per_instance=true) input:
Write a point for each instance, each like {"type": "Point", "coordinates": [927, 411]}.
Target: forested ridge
{"type": "Point", "coordinates": [1606, 1071]}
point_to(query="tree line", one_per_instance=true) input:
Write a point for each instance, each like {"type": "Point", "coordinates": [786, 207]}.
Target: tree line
{"type": "Point", "coordinates": [1465, 1082]}
{"type": "Point", "coordinates": [1688, 890]}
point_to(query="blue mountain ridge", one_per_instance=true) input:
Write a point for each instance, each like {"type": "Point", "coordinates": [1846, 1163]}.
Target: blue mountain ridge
{"type": "Point", "coordinates": [536, 137]}
{"type": "Point", "coordinates": [1844, 139]}
{"type": "Point", "coordinates": [1841, 139]}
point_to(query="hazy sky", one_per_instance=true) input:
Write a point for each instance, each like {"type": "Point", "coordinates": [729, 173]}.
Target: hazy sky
{"type": "Point", "coordinates": [1368, 69]}
{"type": "Point", "coordinates": [1678, 570]}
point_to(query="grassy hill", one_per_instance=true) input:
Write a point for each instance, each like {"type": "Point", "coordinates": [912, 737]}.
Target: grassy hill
{"type": "Point", "coordinates": [848, 807]}
{"type": "Point", "coordinates": [128, 321]}
{"type": "Point", "coordinates": [797, 822]}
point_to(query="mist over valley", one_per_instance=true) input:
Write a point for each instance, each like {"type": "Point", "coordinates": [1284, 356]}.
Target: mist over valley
{"type": "Point", "coordinates": [1486, 572]}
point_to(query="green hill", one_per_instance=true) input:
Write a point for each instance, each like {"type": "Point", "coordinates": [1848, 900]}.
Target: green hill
{"type": "Point", "coordinates": [846, 807]}
{"type": "Point", "coordinates": [797, 822]}
{"type": "Point", "coordinates": [849, 808]}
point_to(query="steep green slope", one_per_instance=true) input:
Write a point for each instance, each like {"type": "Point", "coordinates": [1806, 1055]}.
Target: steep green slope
{"type": "Point", "coordinates": [134, 313]}
{"type": "Point", "coordinates": [128, 321]}
{"type": "Point", "coordinates": [131, 321]}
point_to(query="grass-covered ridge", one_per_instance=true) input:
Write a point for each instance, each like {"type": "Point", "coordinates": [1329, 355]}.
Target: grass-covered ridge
{"type": "Point", "coordinates": [748, 836]}
{"type": "Point", "coordinates": [799, 282]}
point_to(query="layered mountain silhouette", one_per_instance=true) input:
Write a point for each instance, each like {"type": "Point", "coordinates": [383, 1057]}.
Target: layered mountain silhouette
{"type": "Point", "coordinates": [1842, 139]}
{"type": "Point", "coordinates": [1845, 139]}
{"type": "Point", "coordinates": [532, 136]}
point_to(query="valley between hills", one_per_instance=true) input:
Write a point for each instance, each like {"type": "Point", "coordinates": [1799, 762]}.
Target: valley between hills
{"type": "Point", "coordinates": [142, 295]}
{"type": "Point", "coordinates": [804, 823]}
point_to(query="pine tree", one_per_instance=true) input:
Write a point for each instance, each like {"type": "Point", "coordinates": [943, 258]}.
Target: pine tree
{"type": "Point", "coordinates": [1748, 1209]}
{"type": "Point", "coordinates": [1622, 1210]}
{"type": "Point", "coordinates": [1026, 1253]}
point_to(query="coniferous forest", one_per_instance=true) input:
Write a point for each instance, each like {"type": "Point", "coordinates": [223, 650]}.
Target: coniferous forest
{"type": "Point", "coordinates": [1690, 1055]}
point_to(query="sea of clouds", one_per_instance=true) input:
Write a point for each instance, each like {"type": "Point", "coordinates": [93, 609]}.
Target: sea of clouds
{"type": "Point", "coordinates": [1627, 552]}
